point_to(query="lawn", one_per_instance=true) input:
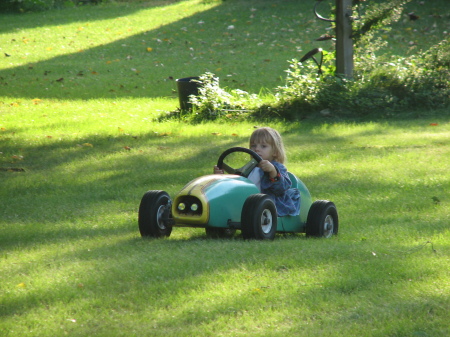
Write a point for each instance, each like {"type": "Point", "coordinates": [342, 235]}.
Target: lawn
{"type": "Point", "coordinates": [79, 95]}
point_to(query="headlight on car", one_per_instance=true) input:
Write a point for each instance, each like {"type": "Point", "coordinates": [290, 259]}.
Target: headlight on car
{"type": "Point", "coordinates": [189, 205]}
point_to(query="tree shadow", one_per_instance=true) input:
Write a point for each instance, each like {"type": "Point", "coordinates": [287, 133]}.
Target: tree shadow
{"type": "Point", "coordinates": [13, 22]}
{"type": "Point", "coordinates": [67, 175]}
{"type": "Point", "coordinates": [90, 180]}
{"type": "Point", "coordinates": [146, 64]}
{"type": "Point", "coordinates": [43, 213]}
{"type": "Point", "coordinates": [347, 270]}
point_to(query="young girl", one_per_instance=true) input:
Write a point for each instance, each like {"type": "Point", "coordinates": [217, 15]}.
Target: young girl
{"type": "Point", "coordinates": [271, 175]}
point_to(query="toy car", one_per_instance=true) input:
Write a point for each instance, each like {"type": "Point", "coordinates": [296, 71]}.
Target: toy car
{"type": "Point", "coordinates": [224, 203]}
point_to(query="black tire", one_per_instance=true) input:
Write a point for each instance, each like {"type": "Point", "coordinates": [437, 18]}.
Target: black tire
{"type": "Point", "coordinates": [220, 233]}
{"type": "Point", "coordinates": [259, 218]}
{"type": "Point", "coordinates": [323, 220]}
{"type": "Point", "coordinates": [154, 211]}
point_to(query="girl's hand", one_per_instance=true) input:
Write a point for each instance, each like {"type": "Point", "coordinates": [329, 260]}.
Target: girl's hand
{"type": "Point", "coordinates": [217, 170]}
{"type": "Point", "coordinates": [268, 167]}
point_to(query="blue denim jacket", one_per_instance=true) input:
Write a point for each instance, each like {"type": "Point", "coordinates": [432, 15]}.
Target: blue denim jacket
{"type": "Point", "coordinates": [287, 199]}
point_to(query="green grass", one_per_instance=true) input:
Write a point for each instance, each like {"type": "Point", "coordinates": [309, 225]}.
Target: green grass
{"type": "Point", "coordinates": [86, 53]}
{"type": "Point", "coordinates": [71, 248]}
{"type": "Point", "coordinates": [71, 258]}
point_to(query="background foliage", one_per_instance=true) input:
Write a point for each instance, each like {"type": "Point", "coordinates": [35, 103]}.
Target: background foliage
{"type": "Point", "coordinates": [382, 82]}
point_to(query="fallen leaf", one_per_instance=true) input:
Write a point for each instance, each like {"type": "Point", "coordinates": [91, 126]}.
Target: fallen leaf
{"type": "Point", "coordinates": [434, 124]}
{"type": "Point", "coordinates": [21, 285]}
{"type": "Point", "coordinates": [149, 49]}
{"type": "Point", "coordinates": [127, 148]}
{"type": "Point", "coordinates": [87, 145]}
{"type": "Point", "coordinates": [216, 133]}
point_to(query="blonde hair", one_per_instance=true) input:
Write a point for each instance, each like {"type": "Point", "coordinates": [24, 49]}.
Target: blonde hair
{"type": "Point", "coordinates": [271, 137]}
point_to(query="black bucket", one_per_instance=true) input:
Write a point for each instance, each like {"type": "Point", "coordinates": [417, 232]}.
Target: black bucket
{"type": "Point", "coordinates": [187, 86]}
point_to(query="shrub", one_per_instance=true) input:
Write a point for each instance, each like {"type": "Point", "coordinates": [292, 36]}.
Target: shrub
{"type": "Point", "coordinates": [418, 81]}
{"type": "Point", "coordinates": [214, 103]}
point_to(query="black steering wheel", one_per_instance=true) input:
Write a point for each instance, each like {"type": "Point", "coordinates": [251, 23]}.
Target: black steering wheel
{"type": "Point", "coordinates": [244, 170]}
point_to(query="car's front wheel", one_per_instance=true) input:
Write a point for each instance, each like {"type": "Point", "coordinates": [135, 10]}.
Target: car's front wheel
{"type": "Point", "coordinates": [323, 220]}
{"type": "Point", "coordinates": [259, 218]}
{"type": "Point", "coordinates": [154, 213]}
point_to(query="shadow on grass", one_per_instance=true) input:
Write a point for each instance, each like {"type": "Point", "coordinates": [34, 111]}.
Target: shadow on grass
{"type": "Point", "coordinates": [186, 47]}
{"type": "Point", "coordinates": [76, 14]}
{"type": "Point", "coordinates": [67, 184]}
{"type": "Point", "coordinates": [172, 277]}
{"type": "Point", "coordinates": [60, 200]}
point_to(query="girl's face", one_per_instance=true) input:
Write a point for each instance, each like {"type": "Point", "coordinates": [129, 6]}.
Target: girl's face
{"type": "Point", "coordinates": [264, 150]}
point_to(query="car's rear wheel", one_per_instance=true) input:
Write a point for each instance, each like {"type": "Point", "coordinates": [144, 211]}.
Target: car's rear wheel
{"type": "Point", "coordinates": [154, 212]}
{"type": "Point", "coordinates": [259, 218]}
{"type": "Point", "coordinates": [323, 220]}
{"type": "Point", "coordinates": [220, 233]}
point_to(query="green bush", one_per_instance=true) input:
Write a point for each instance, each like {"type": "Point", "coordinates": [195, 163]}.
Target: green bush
{"type": "Point", "coordinates": [214, 102]}
{"type": "Point", "coordinates": [419, 81]}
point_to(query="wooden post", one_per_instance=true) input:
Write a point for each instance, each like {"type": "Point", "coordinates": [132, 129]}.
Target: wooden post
{"type": "Point", "coordinates": [344, 42]}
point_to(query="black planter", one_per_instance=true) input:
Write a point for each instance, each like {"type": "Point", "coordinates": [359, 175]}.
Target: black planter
{"type": "Point", "coordinates": [187, 86]}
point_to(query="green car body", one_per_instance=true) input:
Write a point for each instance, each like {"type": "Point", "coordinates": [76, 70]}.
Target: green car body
{"type": "Point", "coordinates": [222, 197]}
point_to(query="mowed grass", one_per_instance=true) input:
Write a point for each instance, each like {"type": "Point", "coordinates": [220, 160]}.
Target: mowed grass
{"type": "Point", "coordinates": [71, 258]}
{"type": "Point", "coordinates": [73, 261]}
